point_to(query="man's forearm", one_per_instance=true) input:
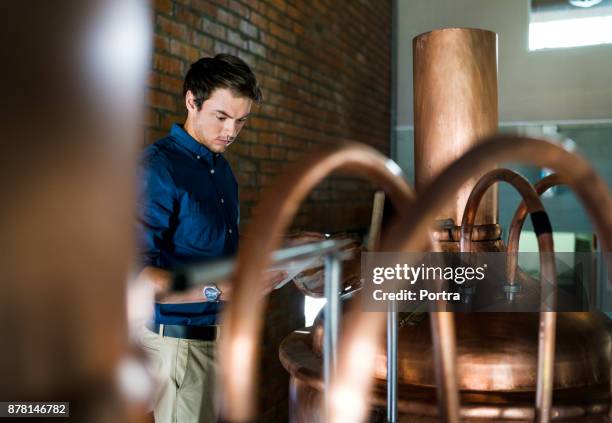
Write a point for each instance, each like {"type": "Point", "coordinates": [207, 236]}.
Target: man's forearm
{"type": "Point", "coordinates": [161, 280]}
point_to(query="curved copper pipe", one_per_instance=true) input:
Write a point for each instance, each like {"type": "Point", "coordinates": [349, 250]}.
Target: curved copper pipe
{"type": "Point", "coordinates": [548, 320]}
{"type": "Point", "coordinates": [242, 318]}
{"type": "Point", "coordinates": [524, 188]}
{"type": "Point", "coordinates": [518, 220]}
{"type": "Point", "coordinates": [410, 231]}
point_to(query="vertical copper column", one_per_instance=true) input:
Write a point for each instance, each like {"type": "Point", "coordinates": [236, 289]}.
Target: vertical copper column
{"type": "Point", "coordinates": [70, 129]}
{"type": "Point", "coordinates": [455, 106]}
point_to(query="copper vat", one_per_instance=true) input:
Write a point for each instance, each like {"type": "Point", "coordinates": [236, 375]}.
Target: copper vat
{"type": "Point", "coordinates": [493, 365]}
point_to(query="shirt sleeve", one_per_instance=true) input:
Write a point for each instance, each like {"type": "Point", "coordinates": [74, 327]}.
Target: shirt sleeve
{"type": "Point", "coordinates": [156, 208]}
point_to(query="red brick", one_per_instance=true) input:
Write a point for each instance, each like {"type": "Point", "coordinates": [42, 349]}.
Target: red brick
{"type": "Point", "coordinates": [184, 51]}
{"type": "Point", "coordinates": [294, 155]}
{"type": "Point", "coordinates": [268, 166]}
{"type": "Point", "coordinates": [240, 147]}
{"type": "Point", "coordinates": [163, 6]}
{"type": "Point", "coordinates": [282, 33]}
{"type": "Point", "coordinates": [169, 119]}
{"type": "Point", "coordinates": [278, 153]}
{"type": "Point", "coordinates": [259, 21]}
{"type": "Point", "coordinates": [151, 118]}
{"type": "Point", "coordinates": [256, 48]}
{"type": "Point", "coordinates": [264, 180]}
{"type": "Point", "coordinates": [221, 47]}
{"type": "Point", "coordinates": [189, 18]}
{"type": "Point", "coordinates": [161, 43]}
{"type": "Point", "coordinates": [160, 100]}
{"type": "Point", "coordinates": [212, 28]}
{"type": "Point", "coordinates": [167, 26]}
{"type": "Point", "coordinates": [247, 165]}
{"type": "Point", "coordinates": [221, 3]}
{"type": "Point", "coordinates": [260, 151]}
{"type": "Point", "coordinates": [245, 179]}
{"type": "Point", "coordinates": [228, 19]}
{"type": "Point", "coordinates": [153, 80]}
{"type": "Point", "coordinates": [152, 135]}
{"type": "Point", "coordinates": [269, 12]}
{"type": "Point", "coordinates": [171, 84]}
{"type": "Point", "coordinates": [236, 39]}
{"type": "Point", "coordinates": [203, 42]}
{"type": "Point", "coordinates": [239, 8]}
{"type": "Point", "coordinates": [280, 4]}
{"type": "Point", "coordinates": [167, 64]}
{"type": "Point", "coordinates": [268, 138]}
{"type": "Point", "coordinates": [294, 12]}
{"type": "Point", "coordinates": [204, 6]}
{"type": "Point", "coordinates": [298, 29]}
{"type": "Point", "coordinates": [247, 57]}
{"type": "Point", "coordinates": [258, 123]}
{"type": "Point", "coordinates": [248, 29]}
{"type": "Point", "coordinates": [251, 194]}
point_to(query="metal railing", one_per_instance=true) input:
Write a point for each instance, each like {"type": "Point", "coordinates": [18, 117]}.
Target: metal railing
{"type": "Point", "coordinates": [331, 253]}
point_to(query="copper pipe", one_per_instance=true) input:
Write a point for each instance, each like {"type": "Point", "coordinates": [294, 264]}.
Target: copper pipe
{"type": "Point", "coordinates": [242, 318]}
{"type": "Point", "coordinates": [518, 220]}
{"type": "Point", "coordinates": [378, 207]}
{"type": "Point", "coordinates": [527, 192]}
{"type": "Point", "coordinates": [445, 353]}
{"type": "Point", "coordinates": [410, 230]}
{"type": "Point", "coordinates": [67, 227]}
{"type": "Point", "coordinates": [455, 107]}
{"type": "Point", "coordinates": [548, 320]}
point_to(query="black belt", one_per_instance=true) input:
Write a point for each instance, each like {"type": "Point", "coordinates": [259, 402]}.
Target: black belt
{"type": "Point", "coordinates": [204, 333]}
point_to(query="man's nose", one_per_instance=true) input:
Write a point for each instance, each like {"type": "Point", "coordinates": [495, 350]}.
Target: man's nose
{"type": "Point", "coordinates": [229, 128]}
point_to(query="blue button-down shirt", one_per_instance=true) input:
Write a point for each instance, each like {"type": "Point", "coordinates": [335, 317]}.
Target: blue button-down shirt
{"type": "Point", "coordinates": [188, 212]}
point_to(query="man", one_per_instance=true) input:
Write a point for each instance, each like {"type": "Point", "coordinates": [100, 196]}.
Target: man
{"type": "Point", "coordinates": [189, 212]}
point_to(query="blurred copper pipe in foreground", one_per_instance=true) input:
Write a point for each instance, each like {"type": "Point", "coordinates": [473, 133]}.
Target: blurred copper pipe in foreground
{"type": "Point", "coordinates": [409, 231]}
{"type": "Point", "coordinates": [72, 87]}
{"type": "Point", "coordinates": [548, 319]}
{"type": "Point", "coordinates": [242, 318]}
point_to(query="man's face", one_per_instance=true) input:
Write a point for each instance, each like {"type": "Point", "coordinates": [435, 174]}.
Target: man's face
{"type": "Point", "coordinates": [217, 124]}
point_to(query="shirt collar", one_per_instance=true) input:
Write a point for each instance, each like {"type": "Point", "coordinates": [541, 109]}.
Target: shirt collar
{"type": "Point", "coordinates": [187, 141]}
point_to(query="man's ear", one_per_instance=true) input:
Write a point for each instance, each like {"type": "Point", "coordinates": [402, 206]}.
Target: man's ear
{"type": "Point", "coordinates": [190, 102]}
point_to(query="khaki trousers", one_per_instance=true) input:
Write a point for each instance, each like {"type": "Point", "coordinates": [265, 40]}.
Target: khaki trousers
{"type": "Point", "coordinates": [185, 375]}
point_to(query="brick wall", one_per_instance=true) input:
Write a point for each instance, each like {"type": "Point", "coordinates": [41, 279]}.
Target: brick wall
{"type": "Point", "coordinates": [324, 68]}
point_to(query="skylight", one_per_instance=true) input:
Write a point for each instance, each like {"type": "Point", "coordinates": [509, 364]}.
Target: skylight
{"type": "Point", "coordinates": [569, 23]}
{"type": "Point", "coordinates": [570, 32]}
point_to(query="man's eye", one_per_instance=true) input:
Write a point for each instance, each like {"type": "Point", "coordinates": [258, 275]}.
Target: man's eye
{"type": "Point", "coordinates": [221, 118]}
{"type": "Point", "coordinates": [242, 120]}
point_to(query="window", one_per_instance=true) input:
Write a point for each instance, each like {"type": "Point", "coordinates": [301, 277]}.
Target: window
{"type": "Point", "coordinates": [563, 23]}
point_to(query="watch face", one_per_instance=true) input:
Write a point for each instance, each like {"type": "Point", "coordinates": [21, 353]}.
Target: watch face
{"type": "Point", "coordinates": [211, 293]}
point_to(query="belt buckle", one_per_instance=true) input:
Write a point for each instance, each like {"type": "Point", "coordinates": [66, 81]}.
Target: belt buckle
{"type": "Point", "coordinates": [217, 332]}
{"type": "Point", "coordinates": [161, 329]}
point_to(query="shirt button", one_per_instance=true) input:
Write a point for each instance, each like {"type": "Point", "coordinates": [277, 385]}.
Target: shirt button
{"type": "Point", "coordinates": [230, 231]}
{"type": "Point", "coordinates": [222, 201]}
{"type": "Point", "coordinates": [212, 170]}
{"type": "Point", "coordinates": [198, 157]}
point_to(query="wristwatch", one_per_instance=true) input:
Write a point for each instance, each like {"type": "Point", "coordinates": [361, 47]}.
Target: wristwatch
{"type": "Point", "coordinates": [211, 292]}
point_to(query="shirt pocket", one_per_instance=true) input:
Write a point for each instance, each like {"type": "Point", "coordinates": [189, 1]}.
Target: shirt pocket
{"type": "Point", "coordinates": [204, 223]}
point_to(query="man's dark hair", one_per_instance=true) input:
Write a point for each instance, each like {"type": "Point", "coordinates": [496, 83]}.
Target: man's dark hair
{"type": "Point", "coordinates": [221, 71]}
